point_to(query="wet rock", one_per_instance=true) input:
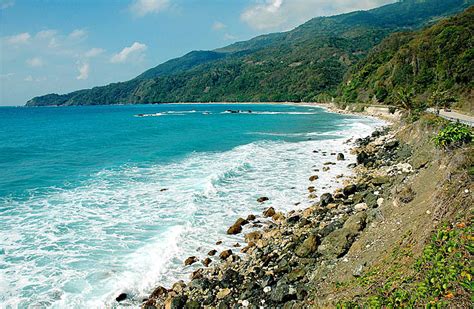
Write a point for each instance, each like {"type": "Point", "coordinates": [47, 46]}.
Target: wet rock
{"type": "Point", "coordinates": [190, 260]}
{"type": "Point", "coordinates": [326, 168]}
{"type": "Point", "coordinates": [269, 212]}
{"type": "Point", "coordinates": [340, 157]}
{"type": "Point", "coordinates": [225, 254]}
{"type": "Point", "coordinates": [313, 178]}
{"type": "Point", "coordinates": [163, 190]}
{"type": "Point", "coordinates": [212, 252]}
{"type": "Point", "coordinates": [121, 297]}
{"type": "Point", "coordinates": [251, 217]}
{"type": "Point", "coordinates": [308, 246]}
{"type": "Point", "coordinates": [262, 199]}
{"type": "Point", "coordinates": [237, 226]}
{"type": "Point", "coordinates": [206, 262]}
{"type": "Point", "coordinates": [349, 189]}
{"type": "Point", "coordinates": [279, 216]}
{"type": "Point", "coordinates": [311, 189]}
{"type": "Point", "coordinates": [325, 199]}
{"type": "Point", "coordinates": [178, 286]}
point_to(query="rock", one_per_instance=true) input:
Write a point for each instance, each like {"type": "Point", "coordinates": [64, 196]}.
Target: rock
{"type": "Point", "coordinates": [177, 302]}
{"type": "Point", "coordinates": [349, 189]}
{"type": "Point", "coordinates": [269, 212]}
{"type": "Point", "coordinates": [293, 219]}
{"type": "Point", "coordinates": [311, 189]}
{"type": "Point", "coordinates": [206, 262]}
{"type": "Point", "coordinates": [313, 178]}
{"type": "Point", "coordinates": [371, 200]}
{"type": "Point", "coordinates": [337, 243]}
{"type": "Point", "coordinates": [225, 254]}
{"type": "Point", "coordinates": [178, 286]}
{"type": "Point", "coordinates": [192, 304]}
{"type": "Point", "coordinates": [219, 242]}
{"type": "Point", "coordinates": [380, 201]}
{"type": "Point", "coordinates": [362, 158]}
{"type": "Point", "coordinates": [237, 226]}
{"type": "Point", "coordinates": [121, 297]}
{"type": "Point", "coordinates": [420, 160]}
{"type": "Point", "coordinates": [325, 199]}
{"type": "Point", "coordinates": [190, 260]}
{"type": "Point", "coordinates": [251, 217]}
{"type": "Point", "coordinates": [163, 190]}
{"type": "Point", "coordinates": [326, 168]}
{"type": "Point", "coordinates": [340, 157]}
{"type": "Point", "coordinates": [308, 246]}
{"type": "Point", "coordinates": [379, 180]}
{"type": "Point", "coordinates": [406, 194]}
{"type": "Point", "coordinates": [223, 293]}
{"type": "Point", "coordinates": [212, 252]}
{"type": "Point", "coordinates": [281, 293]}
{"type": "Point", "coordinates": [159, 292]}
{"type": "Point", "coordinates": [296, 274]}
{"type": "Point", "coordinates": [391, 144]}
{"type": "Point", "coordinates": [253, 236]}
{"type": "Point", "coordinates": [361, 207]}
{"type": "Point", "coordinates": [262, 199]}
{"type": "Point", "coordinates": [267, 289]}
{"type": "Point", "coordinates": [358, 270]}
{"type": "Point", "coordinates": [245, 303]}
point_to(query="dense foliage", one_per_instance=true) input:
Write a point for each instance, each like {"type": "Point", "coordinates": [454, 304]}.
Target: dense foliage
{"type": "Point", "coordinates": [454, 134]}
{"type": "Point", "coordinates": [305, 64]}
{"type": "Point", "coordinates": [437, 64]}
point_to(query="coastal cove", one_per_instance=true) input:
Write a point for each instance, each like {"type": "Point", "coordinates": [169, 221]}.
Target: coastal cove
{"type": "Point", "coordinates": [118, 208]}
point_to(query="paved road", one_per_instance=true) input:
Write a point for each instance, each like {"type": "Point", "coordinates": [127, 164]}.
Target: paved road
{"type": "Point", "coordinates": [454, 116]}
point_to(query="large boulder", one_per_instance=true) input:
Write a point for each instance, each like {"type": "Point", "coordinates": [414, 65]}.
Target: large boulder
{"type": "Point", "coordinates": [190, 260]}
{"type": "Point", "coordinates": [340, 157]}
{"type": "Point", "coordinates": [308, 246]}
{"type": "Point", "coordinates": [237, 226]}
{"type": "Point", "coordinates": [270, 212]}
{"type": "Point", "coordinates": [337, 243]}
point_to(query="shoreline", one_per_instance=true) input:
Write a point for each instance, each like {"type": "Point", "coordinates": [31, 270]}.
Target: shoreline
{"type": "Point", "coordinates": [272, 215]}
{"type": "Point", "coordinates": [257, 240]}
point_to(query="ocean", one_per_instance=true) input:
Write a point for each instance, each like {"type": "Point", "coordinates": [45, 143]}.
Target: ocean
{"type": "Point", "coordinates": [101, 200]}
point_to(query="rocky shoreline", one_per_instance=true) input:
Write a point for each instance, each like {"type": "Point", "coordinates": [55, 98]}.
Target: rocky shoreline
{"type": "Point", "coordinates": [274, 268]}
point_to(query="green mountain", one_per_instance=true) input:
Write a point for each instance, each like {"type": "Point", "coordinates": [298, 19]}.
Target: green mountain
{"type": "Point", "coordinates": [303, 64]}
{"type": "Point", "coordinates": [438, 59]}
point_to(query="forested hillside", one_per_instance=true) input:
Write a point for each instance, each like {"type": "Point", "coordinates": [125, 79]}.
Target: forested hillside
{"type": "Point", "coordinates": [439, 59]}
{"type": "Point", "coordinates": [305, 64]}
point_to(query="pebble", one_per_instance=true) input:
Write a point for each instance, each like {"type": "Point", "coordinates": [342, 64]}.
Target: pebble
{"type": "Point", "coordinates": [267, 289]}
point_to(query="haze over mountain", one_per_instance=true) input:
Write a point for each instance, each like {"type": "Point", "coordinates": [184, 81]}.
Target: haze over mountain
{"type": "Point", "coordinates": [304, 64]}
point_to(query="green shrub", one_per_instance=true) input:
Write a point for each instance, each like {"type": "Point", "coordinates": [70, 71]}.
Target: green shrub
{"type": "Point", "coordinates": [454, 134]}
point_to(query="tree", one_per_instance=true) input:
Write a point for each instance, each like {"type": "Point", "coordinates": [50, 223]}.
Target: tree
{"type": "Point", "coordinates": [405, 100]}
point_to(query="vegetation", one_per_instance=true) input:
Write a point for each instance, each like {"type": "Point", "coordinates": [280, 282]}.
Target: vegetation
{"type": "Point", "coordinates": [437, 63]}
{"type": "Point", "coordinates": [442, 276]}
{"type": "Point", "coordinates": [454, 134]}
{"type": "Point", "coordinates": [305, 64]}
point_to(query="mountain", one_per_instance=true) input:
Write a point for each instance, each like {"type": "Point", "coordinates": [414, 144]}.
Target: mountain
{"type": "Point", "coordinates": [306, 63]}
{"type": "Point", "coordinates": [437, 59]}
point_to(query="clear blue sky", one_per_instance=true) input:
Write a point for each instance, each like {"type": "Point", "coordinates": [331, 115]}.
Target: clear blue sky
{"type": "Point", "coordinates": [64, 45]}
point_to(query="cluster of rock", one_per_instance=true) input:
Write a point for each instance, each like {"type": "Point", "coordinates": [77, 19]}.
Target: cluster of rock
{"type": "Point", "coordinates": [276, 266]}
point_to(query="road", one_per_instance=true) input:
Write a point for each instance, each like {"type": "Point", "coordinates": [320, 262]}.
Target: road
{"type": "Point", "coordinates": [454, 116]}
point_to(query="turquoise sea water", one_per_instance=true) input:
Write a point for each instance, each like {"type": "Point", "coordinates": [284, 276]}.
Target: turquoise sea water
{"type": "Point", "coordinates": [83, 210]}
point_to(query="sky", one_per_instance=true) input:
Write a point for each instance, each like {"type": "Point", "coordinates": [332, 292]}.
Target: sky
{"type": "Point", "coordinates": [58, 46]}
